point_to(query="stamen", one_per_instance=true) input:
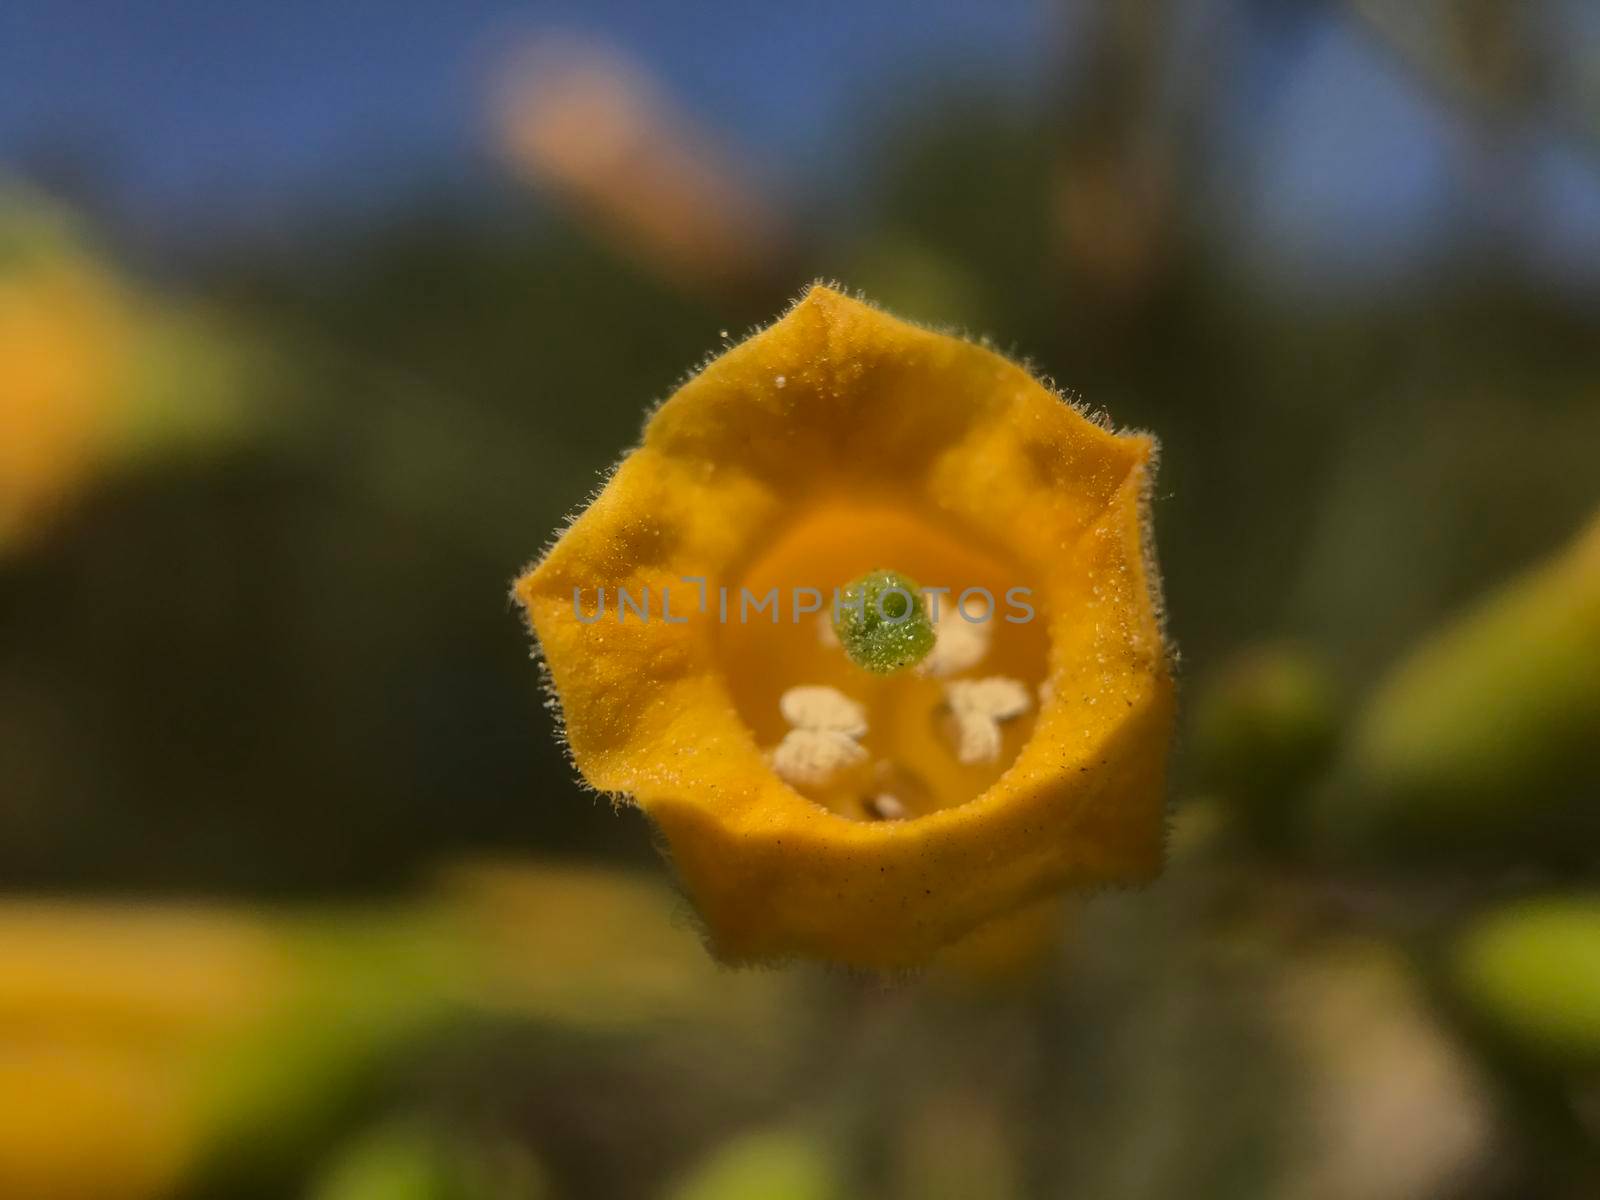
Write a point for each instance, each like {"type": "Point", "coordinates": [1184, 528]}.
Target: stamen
{"type": "Point", "coordinates": [815, 757]}
{"type": "Point", "coordinates": [884, 808]}
{"type": "Point", "coordinates": [977, 738]}
{"type": "Point", "coordinates": [977, 707]}
{"type": "Point", "coordinates": [996, 697]}
{"type": "Point", "coordinates": [959, 646]}
{"type": "Point", "coordinates": [823, 708]}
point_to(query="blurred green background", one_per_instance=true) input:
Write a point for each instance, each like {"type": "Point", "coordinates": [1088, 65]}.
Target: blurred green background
{"type": "Point", "coordinates": [314, 326]}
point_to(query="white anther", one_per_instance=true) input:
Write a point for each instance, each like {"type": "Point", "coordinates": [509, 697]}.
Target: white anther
{"type": "Point", "coordinates": [959, 645]}
{"type": "Point", "coordinates": [977, 738]}
{"type": "Point", "coordinates": [823, 708]}
{"type": "Point", "coordinates": [815, 757]}
{"type": "Point", "coordinates": [884, 807]}
{"type": "Point", "coordinates": [997, 697]}
{"type": "Point", "coordinates": [977, 707]}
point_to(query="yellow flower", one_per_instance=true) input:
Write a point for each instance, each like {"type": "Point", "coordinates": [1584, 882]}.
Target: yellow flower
{"type": "Point", "coordinates": [63, 339]}
{"type": "Point", "coordinates": [90, 1120]}
{"type": "Point", "coordinates": [97, 375]}
{"type": "Point", "coordinates": [869, 819]}
{"type": "Point", "coordinates": [110, 1016]}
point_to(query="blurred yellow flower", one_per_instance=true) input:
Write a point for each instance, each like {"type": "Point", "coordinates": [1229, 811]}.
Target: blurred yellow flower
{"type": "Point", "coordinates": [811, 807]}
{"type": "Point", "coordinates": [63, 339]}
{"type": "Point", "coordinates": [90, 1121]}
{"type": "Point", "coordinates": [109, 1018]}
{"type": "Point", "coordinates": [144, 972]}
{"type": "Point", "coordinates": [96, 375]}
{"type": "Point", "coordinates": [147, 1049]}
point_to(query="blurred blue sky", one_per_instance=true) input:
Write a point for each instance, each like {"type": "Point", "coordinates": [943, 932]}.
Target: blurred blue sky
{"type": "Point", "coordinates": [192, 118]}
{"type": "Point", "coordinates": [257, 105]}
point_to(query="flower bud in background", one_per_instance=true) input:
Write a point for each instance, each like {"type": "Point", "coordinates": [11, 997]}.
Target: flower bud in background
{"type": "Point", "coordinates": [1531, 971]}
{"type": "Point", "coordinates": [1490, 727]}
{"type": "Point", "coordinates": [410, 1160]}
{"type": "Point", "coordinates": [778, 1165]}
{"type": "Point", "coordinates": [1263, 726]}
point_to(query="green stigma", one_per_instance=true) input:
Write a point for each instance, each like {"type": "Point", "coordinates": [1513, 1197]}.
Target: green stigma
{"type": "Point", "coordinates": [882, 623]}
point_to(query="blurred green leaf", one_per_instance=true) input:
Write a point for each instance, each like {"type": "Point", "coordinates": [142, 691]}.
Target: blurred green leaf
{"type": "Point", "coordinates": [1487, 729]}
{"type": "Point", "coordinates": [411, 1161]}
{"type": "Point", "coordinates": [764, 1166]}
{"type": "Point", "coordinates": [1532, 970]}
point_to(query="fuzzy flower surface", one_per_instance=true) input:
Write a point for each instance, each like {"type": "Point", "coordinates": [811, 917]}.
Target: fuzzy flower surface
{"type": "Point", "coordinates": [813, 807]}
